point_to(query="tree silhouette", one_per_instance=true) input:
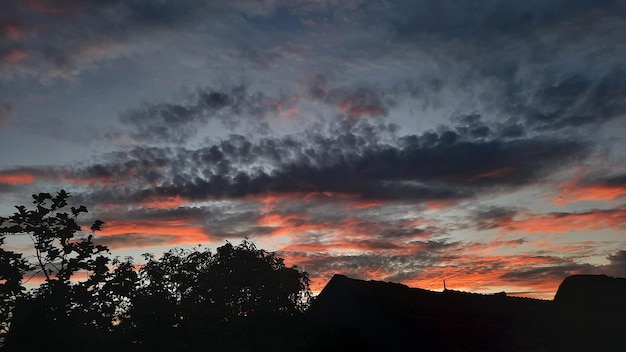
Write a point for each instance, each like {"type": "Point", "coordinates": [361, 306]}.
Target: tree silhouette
{"type": "Point", "coordinates": [235, 297]}
{"type": "Point", "coordinates": [62, 302]}
{"type": "Point", "coordinates": [12, 269]}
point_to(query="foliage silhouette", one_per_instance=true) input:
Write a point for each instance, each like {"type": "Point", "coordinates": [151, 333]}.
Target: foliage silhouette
{"type": "Point", "coordinates": [235, 297]}
{"type": "Point", "coordinates": [62, 302]}
{"type": "Point", "coordinates": [12, 269]}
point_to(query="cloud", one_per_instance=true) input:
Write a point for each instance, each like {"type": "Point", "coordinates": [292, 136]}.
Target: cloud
{"type": "Point", "coordinates": [528, 61]}
{"type": "Point", "coordinates": [490, 24]}
{"type": "Point", "coordinates": [407, 115]}
{"type": "Point", "coordinates": [28, 175]}
{"type": "Point", "coordinates": [555, 272]}
{"type": "Point", "coordinates": [493, 217]}
{"type": "Point", "coordinates": [559, 222]}
{"type": "Point", "coordinates": [351, 158]}
{"type": "Point", "coordinates": [169, 122]}
{"type": "Point", "coordinates": [150, 228]}
{"type": "Point", "coordinates": [6, 113]}
{"type": "Point", "coordinates": [576, 101]}
{"type": "Point", "coordinates": [65, 38]}
{"type": "Point", "coordinates": [617, 264]}
{"type": "Point", "coordinates": [470, 266]}
{"type": "Point", "coordinates": [603, 188]}
{"type": "Point", "coordinates": [354, 103]}
{"type": "Point", "coordinates": [322, 259]}
{"type": "Point", "coordinates": [16, 178]}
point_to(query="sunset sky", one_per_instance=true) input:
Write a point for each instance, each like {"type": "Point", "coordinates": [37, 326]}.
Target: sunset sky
{"type": "Point", "coordinates": [480, 142]}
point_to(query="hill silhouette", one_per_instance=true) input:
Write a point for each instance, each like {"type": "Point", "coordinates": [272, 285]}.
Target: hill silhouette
{"type": "Point", "coordinates": [586, 315]}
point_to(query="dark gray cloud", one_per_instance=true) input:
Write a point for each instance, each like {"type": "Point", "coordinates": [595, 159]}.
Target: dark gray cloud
{"type": "Point", "coordinates": [355, 160]}
{"type": "Point", "coordinates": [561, 269]}
{"type": "Point", "coordinates": [576, 101]}
{"type": "Point", "coordinates": [493, 217]}
{"type": "Point", "coordinates": [604, 178]}
{"type": "Point", "coordinates": [139, 164]}
{"type": "Point", "coordinates": [171, 122]}
{"type": "Point", "coordinates": [617, 264]}
{"type": "Point", "coordinates": [532, 60]}
{"type": "Point", "coordinates": [504, 27]}
{"type": "Point", "coordinates": [615, 180]}
{"type": "Point", "coordinates": [488, 21]}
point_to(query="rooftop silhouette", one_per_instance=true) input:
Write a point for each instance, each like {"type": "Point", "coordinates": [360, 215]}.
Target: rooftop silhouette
{"type": "Point", "coordinates": [586, 315]}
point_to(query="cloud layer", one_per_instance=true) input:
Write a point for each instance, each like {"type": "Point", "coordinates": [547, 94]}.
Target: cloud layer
{"type": "Point", "coordinates": [481, 143]}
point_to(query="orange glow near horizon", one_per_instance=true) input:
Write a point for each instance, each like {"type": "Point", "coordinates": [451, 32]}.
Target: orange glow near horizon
{"type": "Point", "coordinates": [479, 267]}
{"type": "Point", "coordinates": [457, 278]}
{"type": "Point", "coordinates": [470, 277]}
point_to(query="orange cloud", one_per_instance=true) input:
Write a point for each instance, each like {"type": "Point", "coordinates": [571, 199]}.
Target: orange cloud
{"type": "Point", "coordinates": [164, 202]}
{"type": "Point", "coordinates": [367, 204]}
{"type": "Point", "coordinates": [147, 233]}
{"type": "Point", "coordinates": [471, 278]}
{"type": "Point", "coordinates": [269, 199]}
{"type": "Point", "coordinates": [439, 204]}
{"type": "Point", "coordinates": [505, 171]}
{"type": "Point", "coordinates": [358, 110]}
{"type": "Point", "coordinates": [572, 191]}
{"type": "Point", "coordinates": [16, 178]}
{"type": "Point", "coordinates": [488, 274]}
{"type": "Point", "coordinates": [13, 31]}
{"type": "Point", "coordinates": [289, 113]}
{"type": "Point", "coordinates": [596, 219]}
{"type": "Point", "coordinates": [16, 54]}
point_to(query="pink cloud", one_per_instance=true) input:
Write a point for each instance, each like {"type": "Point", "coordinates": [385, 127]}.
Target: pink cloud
{"type": "Point", "coordinates": [15, 178]}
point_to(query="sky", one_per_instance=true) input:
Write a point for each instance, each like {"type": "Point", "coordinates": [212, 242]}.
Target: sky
{"type": "Point", "coordinates": [480, 142]}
